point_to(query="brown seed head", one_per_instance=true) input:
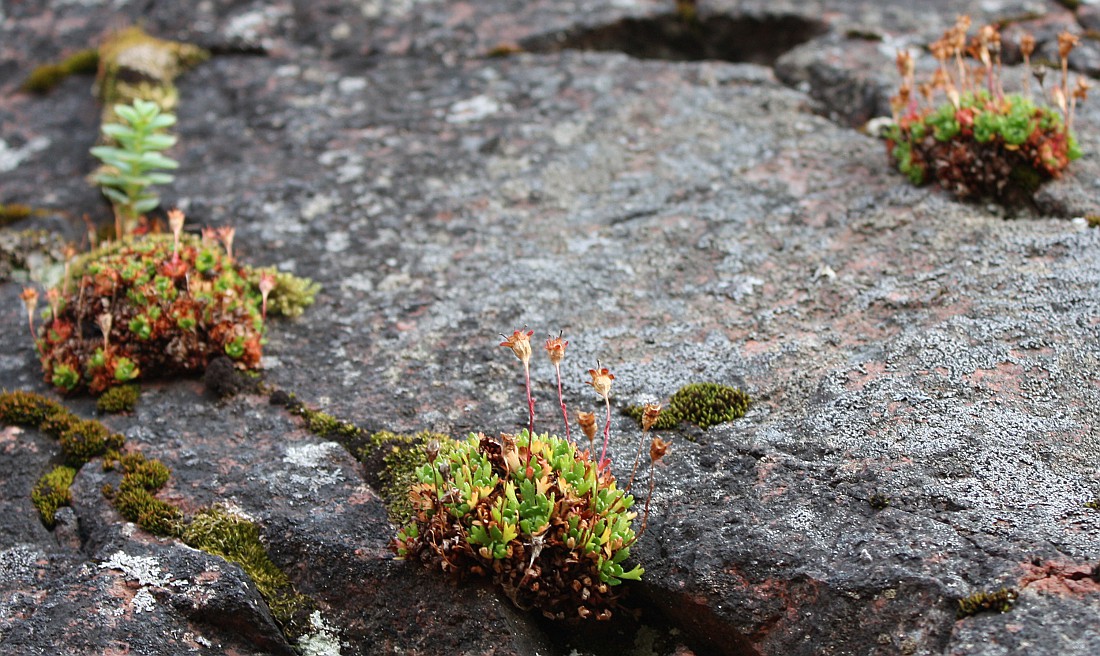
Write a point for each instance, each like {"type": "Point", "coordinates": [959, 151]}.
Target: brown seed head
{"type": "Point", "coordinates": [520, 343]}
{"type": "Point", "coordinates": [657, 449]}
{"type": "Point", "coordinates": [225, 234]}
{"type": "Point", "coordinates": [30, 301]}
{"type": "Point", "coordinates": [175, 221]}
{"type": "Point", "coordinates": [650, 413]}
{"type": "Point", "coordinates": [601, 381]}
{"type": "Point", "coordinates": [555, 348]}
{"type": "Point", "coordinates": [587, 420]}
{"type": "Point", "coordinates": [1027, 44]}
{"type": "Point", "coordinates": [53, 297]}
{"type": "Point", "coordinates": [1066, 43]}
{"type": "Point", "coordinates": [104, 320]}
{"type": "Point", "coordinates": [905, 64]}
{"type": "Point", "coordinates": [1081, 91]}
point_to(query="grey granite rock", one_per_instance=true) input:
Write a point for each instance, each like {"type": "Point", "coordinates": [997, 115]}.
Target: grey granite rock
{"type": "Point", "coordinates": [680, 221]}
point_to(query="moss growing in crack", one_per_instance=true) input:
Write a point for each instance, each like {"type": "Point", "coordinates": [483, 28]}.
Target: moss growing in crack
{"type": "Point", "coordinates": [47, 76]}
{"type": "Point", "coordinates": [27, 408]}
{"type": "Point", "coordinates": [1000, 601]}
{"type": "Point", "coordinates": [878, 501]}
{"type": "Point", "coordinates": [118, 399]}
{"type": "Point", "coordinates": [319, 423]}
{"type": "Point", "coordinates": [702, 404]}
{"type": "Point", "coordinates": [52, 491]}
{"type": "Point", "coordinates": [1093, 504]}
{"type": "Point", "coordinates": [217, 531]}
{"type": "Point", "coordinates": [134, 65]}
{"type": "Point", "coordinates": [391, 460]}
{"type": "Point", "coordinates": [85, 439]}
{"type": "Point", "coordinates": [141, 480]}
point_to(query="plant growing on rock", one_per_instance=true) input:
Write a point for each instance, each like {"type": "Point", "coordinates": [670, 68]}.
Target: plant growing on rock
{"type": "Point", "coordinates": [702, 404]}
{"type": "Point", "coordinates": [981, 142]}
{"type": "Point", "coordinates": [537, 514]}
{"type": "Point", "coordinates": [135, 164]}
{"type": "Point", "coordinates": [160, 305]}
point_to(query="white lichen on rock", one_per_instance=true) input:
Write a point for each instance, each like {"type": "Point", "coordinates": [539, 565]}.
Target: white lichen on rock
{"type": "Point", "coordinates": [143, 569]}
{"type": "Point", "coordinates": [323, 641]}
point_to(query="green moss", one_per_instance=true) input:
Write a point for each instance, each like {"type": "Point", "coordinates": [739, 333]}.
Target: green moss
{"type": "Point", "coordinates": [14, 212]}
{"type": "Point", "coordinates": [291, 295]}
{"type": "Point", "coordinates": [86, 439]}
{"type": "Point", "coordinates": [118, 399]}
{"type": "Point", "coordinates": [1000, 601]}
{"type": "Point", "coordinates": [1093, 220]}
{"type": "Point", "coordinates": [47, 76]}
{"type": "Point", "coordinates": [26, 408]}
{"type": "Point", "coordinates": [323, 424]}
{"type": "Point", "coordinates": [391, 460]}
{"type": "Point", "coordinates": [878, 501]}
{"type": "Point", "coordinates": [135, 500]}
{"type": "Point", "coordinates": [219, 532]}
{"type": "Point", "coordinates": [702, 404]}
{"type": "Point", "coordinates": [1093, 504]}
{"type": "Point", "coordinates": [52, 491]}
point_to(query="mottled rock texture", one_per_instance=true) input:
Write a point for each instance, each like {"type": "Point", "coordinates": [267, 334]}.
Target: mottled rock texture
{"type": "Point", "coordinates": [925, 423]}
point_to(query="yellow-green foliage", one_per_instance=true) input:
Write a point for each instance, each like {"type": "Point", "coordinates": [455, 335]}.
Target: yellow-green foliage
{"type": "Point", "coordinates": [134, 65]}
{"type": "Point", "coordinates": [118, 399]}
{"type": "Point", "coordinates": [81, 440]}
{"type": "Point", "coordinates": [47, 76]}
{"type": "Point", "coordinates": [52, 491]}
{"type": "Point", "coordinates": [1000, 601]}
{"type": "Point", "coordinates": [291, 296]}
{"type": "Point", "coordinates": [702, 404]}
{"type": "Point", "coordinates": [134, 500]}
{"type": "Point", "coordinates": [85, 439]}
{"type": "Point", "coordinates": [26, 408]}
{"type": "Point", "coordinates": [393, 459]}
{"type": "Point", "coordinates": [13, 212]}
{"type": "Point", "coordinates": [219, 532]}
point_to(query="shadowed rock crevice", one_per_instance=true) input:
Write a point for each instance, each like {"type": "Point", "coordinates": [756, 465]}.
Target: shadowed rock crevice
{"type": "Point", "coordinates": [757, 40]}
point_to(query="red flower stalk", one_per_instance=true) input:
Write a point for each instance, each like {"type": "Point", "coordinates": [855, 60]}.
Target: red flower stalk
{"type": "Point", "coordinates": [520, 343]}
{"type": "Point", "coordinates": [601, 382]}
{"type": "Point", "coordinates": [555, 348]}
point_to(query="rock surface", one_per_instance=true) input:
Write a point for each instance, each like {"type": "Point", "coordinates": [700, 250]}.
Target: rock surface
{"type": "Point", "coordinates": [680, 221]}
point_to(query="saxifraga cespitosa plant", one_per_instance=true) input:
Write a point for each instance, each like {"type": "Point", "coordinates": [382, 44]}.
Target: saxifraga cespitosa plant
{"type": "Point", "coordinates": [538, 515]}
{"type": "Point", "coordinates": [982, 142]}
{"type": "Point", "coordinates": [136, 163]}
{"type": "Point", "coordinates": [159, 304]}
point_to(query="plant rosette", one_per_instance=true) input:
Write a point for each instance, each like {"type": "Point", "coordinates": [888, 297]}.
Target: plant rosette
{"type": "Point", "coordinates": [153, 306]}
{"type": "Point", "coordinates": [539, 517]}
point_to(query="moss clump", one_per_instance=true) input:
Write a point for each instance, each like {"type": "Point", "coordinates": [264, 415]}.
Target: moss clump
{"type": "Point", "coordinates": [1000, 601]}
{"type": "Point", "coordinates": [52, 491]}
{"type": "Point", "coordinates": [26, 408]}
{"type": "Point", "coordinates": [391, 460]}
{"type": "Point", "coordinates": [319, 423]}
{"type": "Point", "coordinates": [291, 295]}
{"type": "Point", "coordinates": [878, 501]}
{"type": "Point", "coordinates": [141, 479]}
{"type": "Point", "coordinates": [85, 439]}
{"type": "Point", "coordinates": [47, 76]}
{"type": "Point", "coordinates": [118, 399]}
{"type": "Point", "coordinates": [217, 531]}
{"type": "Point", "coordinates": [134, 65]}
{"type": "Point", "coordinates": [702, 404]}
{"type": "Point", "coordinates": [1093, 504]}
